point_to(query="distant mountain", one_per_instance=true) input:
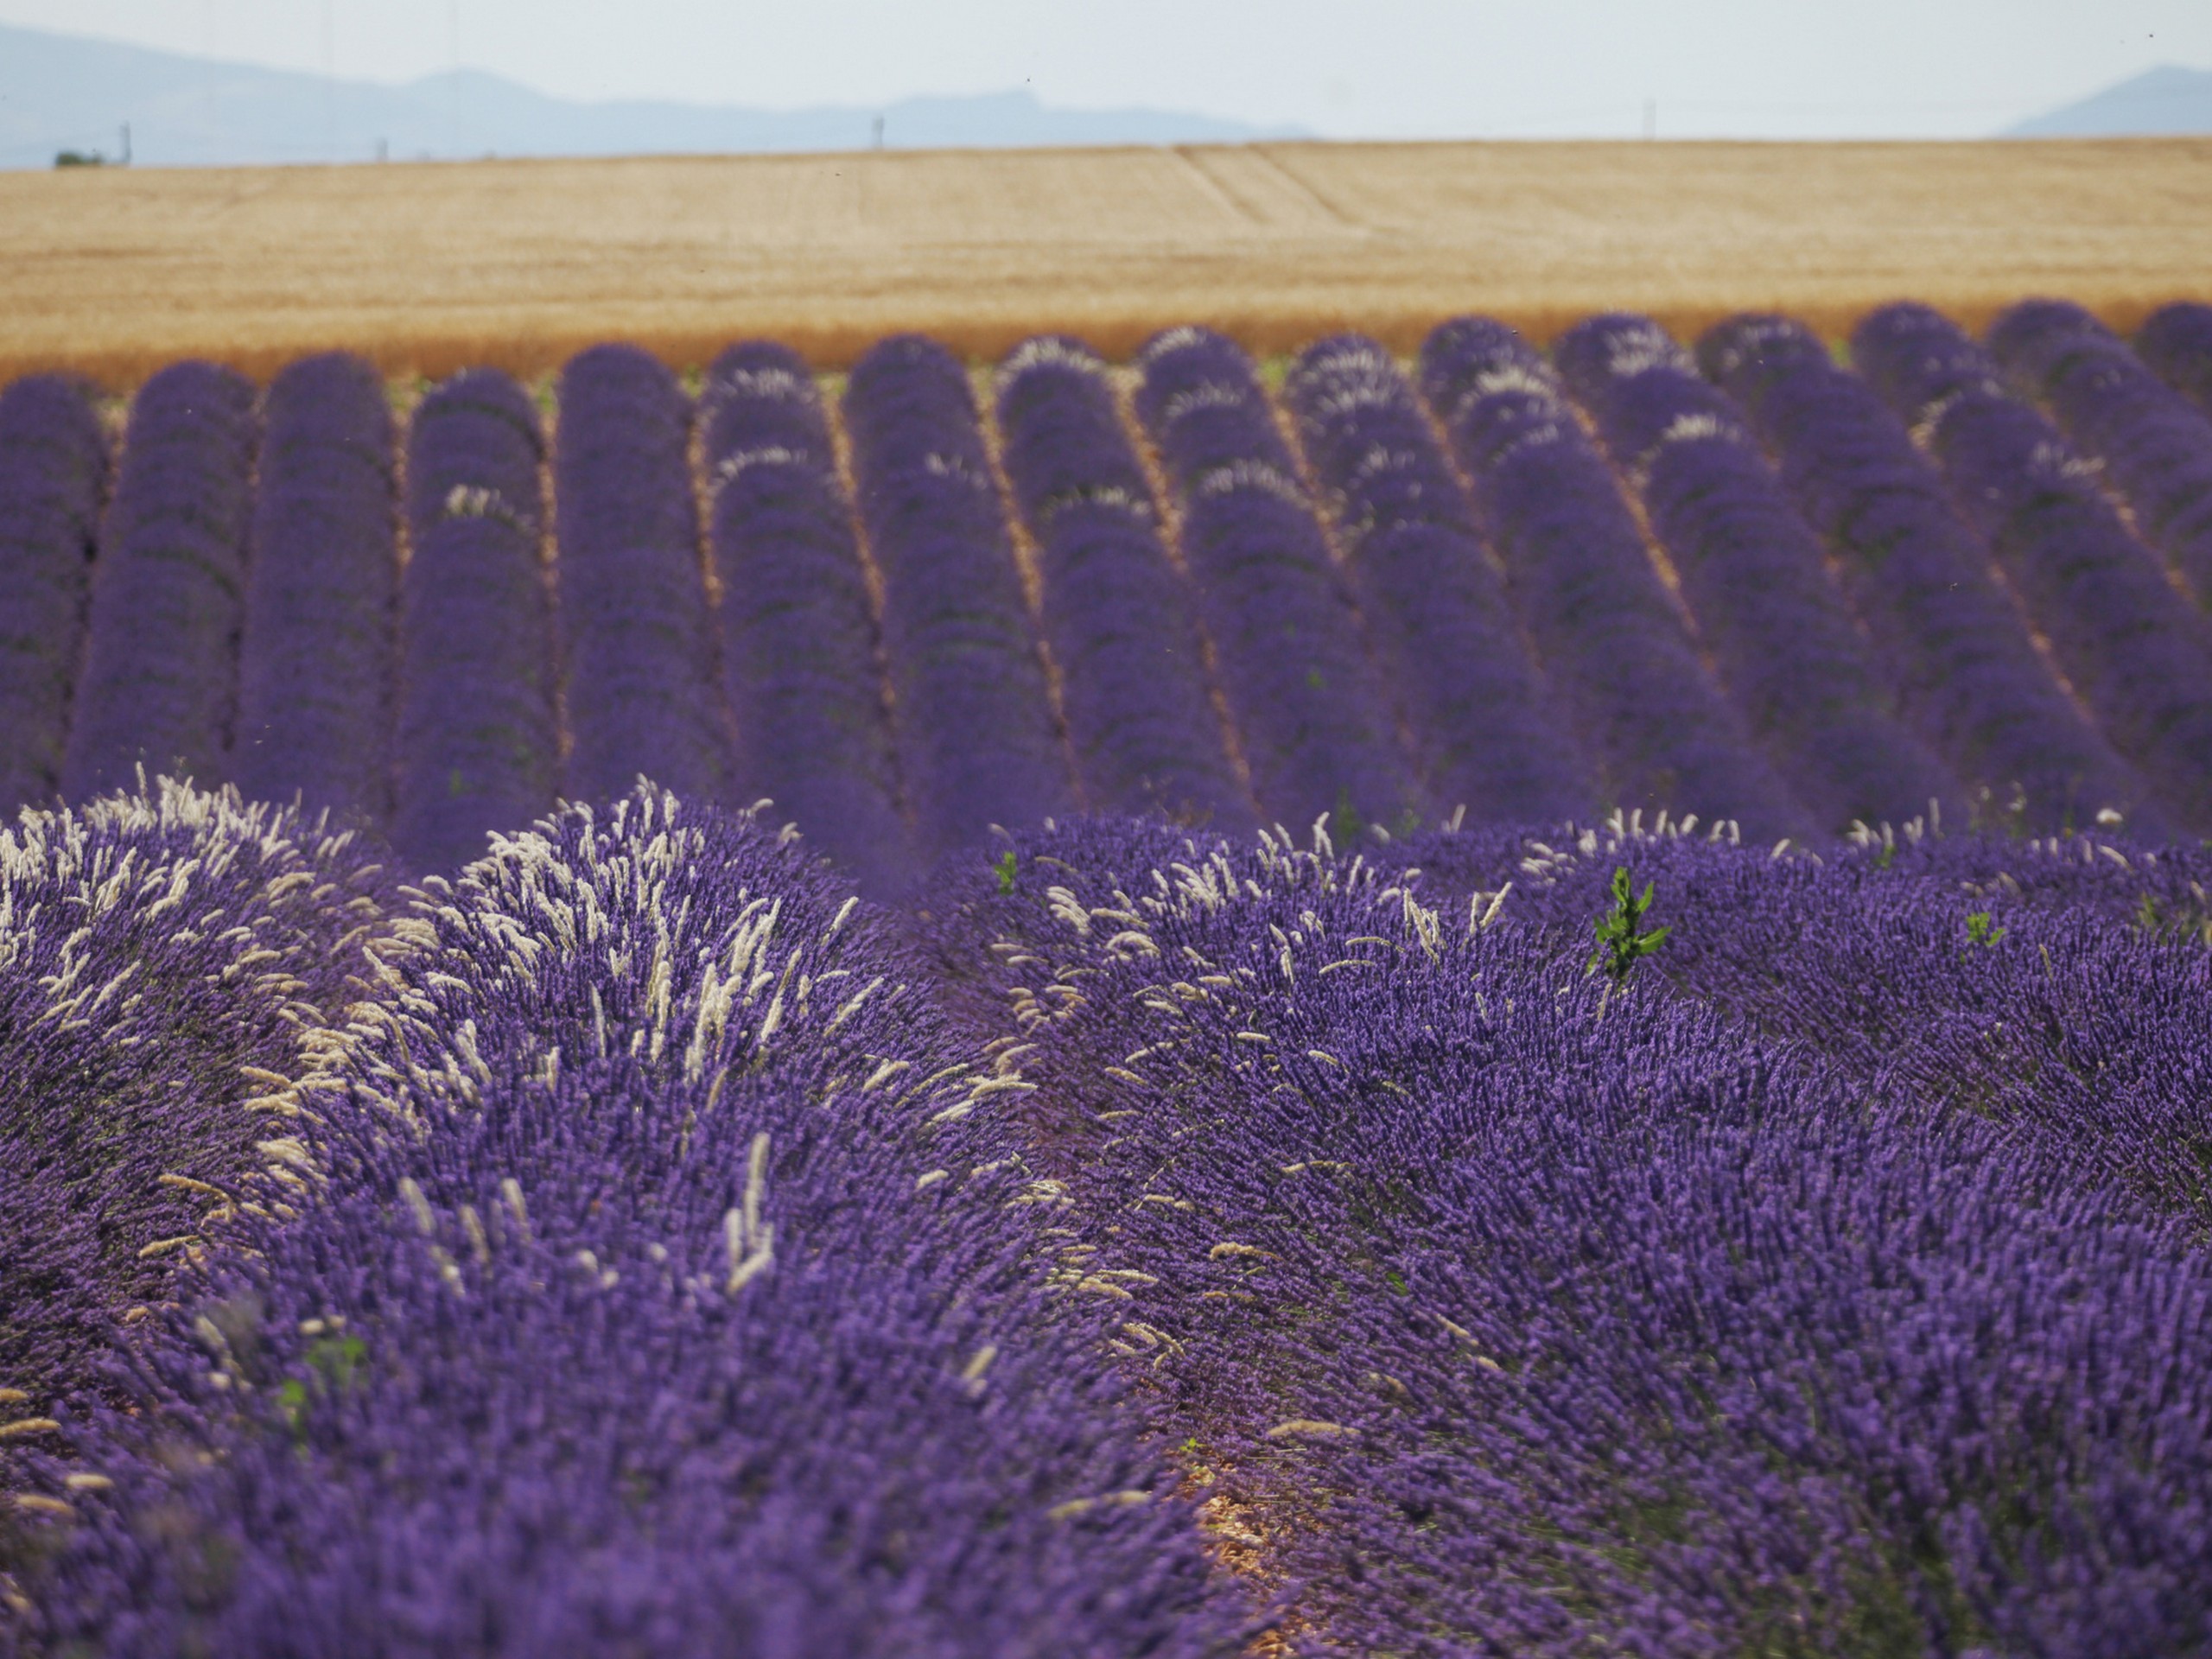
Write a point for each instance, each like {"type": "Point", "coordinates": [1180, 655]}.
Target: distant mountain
{"type": "Point", "coordinates": [2166, 99]}
{"type": "Point", "coordinates": [62, 91]}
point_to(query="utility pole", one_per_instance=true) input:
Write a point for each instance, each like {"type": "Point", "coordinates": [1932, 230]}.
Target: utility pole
{"type": "Point", "coordinates": [126, 145]}
{"type": "Point", "coordinates": [878, 132]}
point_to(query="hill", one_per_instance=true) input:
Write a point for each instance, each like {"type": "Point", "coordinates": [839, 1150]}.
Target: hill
{"type": "Point", "coordinates": [61, 92]}
{"type": "Point", "coordinates": [2167, 99]}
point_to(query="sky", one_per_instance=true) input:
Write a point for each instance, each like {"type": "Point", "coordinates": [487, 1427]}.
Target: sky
{"type": "Point", "coordinates": [1372, 68]}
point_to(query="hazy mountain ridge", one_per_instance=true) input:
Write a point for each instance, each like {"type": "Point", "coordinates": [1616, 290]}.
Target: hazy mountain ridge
{"type": "Point", "coordinates": [60, 91]}
{"type": "Point", "coordinates": [2167, 99]}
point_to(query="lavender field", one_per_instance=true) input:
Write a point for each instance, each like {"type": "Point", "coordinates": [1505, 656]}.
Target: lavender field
{"type": "Point", "coordinates": [1548, 1002]}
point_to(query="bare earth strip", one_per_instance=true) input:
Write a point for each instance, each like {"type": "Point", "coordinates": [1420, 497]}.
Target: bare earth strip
{"type": "Point", "coordinates": [428, 267]}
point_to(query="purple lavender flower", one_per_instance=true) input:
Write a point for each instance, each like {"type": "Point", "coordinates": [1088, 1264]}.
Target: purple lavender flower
{"type": "Point", "coordinates": [476, 742]}
{"type": "Point", "coordinates": [1479, 708]}
{"type": "Point", "coordinates": [162, 958]}
{"type": "Point", "coordinates": [1316, 731]}
{"type": "Point", "coordinates": [53, 477]}
{"type": "Point", "coordinates": [1504, 1307]}
{"type": "Point", "coordinates": [317, 660]}
{"type": "Point", "coordinates": [978, 742]}
{"type": "Point", "coordinates": [2136, 652]}
{"type": "Point", "coordinates": [712, 1311]}
{"type": "Point", "coordinates": [1116, 612]}
{"type": "Point", "coordinates": [799, 642]}
{"type": "Point", "coordinates": [636, 637]}
{"type": "Point", "coordinates": [1754, 577]}
{"type": "Point", "coordinates": [2176, 344]}
{"type": "Point", "coordinates": [2155, 446]}
{"type": "Point", "coordinates": [159, 684]}
{"type": "Point", "coordinates": [1614, 643]}
{"type": "Point", "coordinates": [1953, 642]}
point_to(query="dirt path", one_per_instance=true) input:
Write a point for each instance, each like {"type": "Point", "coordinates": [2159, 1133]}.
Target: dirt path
{"type": "Point", "coordinates": [427, 267]}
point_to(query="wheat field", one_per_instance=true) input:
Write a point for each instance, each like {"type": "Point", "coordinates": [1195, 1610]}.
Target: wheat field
{"type": "Point", "coordinates": [516, 264]}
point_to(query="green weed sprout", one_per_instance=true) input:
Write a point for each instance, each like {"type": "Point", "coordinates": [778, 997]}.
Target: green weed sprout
{"type": "Point", "coordinates": [1621, 941]}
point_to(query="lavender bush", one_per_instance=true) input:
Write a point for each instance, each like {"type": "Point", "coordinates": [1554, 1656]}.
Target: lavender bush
{"type": "Point", "coordinates": [1480, 713]}
{"type": "Point", "coordinates": [159, 685]}
{"type": "Point", "coordinates": [476, 743]}
{"type": "Point", "coordinates": [1661, 732]}
{"type": "Point", "coordinates": [2136, 652]}
{"type": "Point", "coordinates": [166, 961]}
{"type": "Point", "coordinates": [53, 477]}
{"type": "Point", "coordinates": [317, 659]}
{"type": "Point", "coordinates": [2156, 448]}
{"type": "Point", "coordinates": [1115, 611]}
{"type": "Point", "coordinates": [1754, 577]}
{"type": "Point", "coordinates": [1316, 732]}
{"type": "Point", "coordinates": [686, 1258]}
{"type": "Point", "coordinates": [978, 743]}
{"type": "Point", "coordinates": [799, 644]}
{"type": "Point", "coordinates": [636, 637]}
{"type": "Point", "coordinates": [1553, 1238]}
{"type": "Point", "coordinates": [2177, 343]}
{"type": "Point", "coordinates": [1504, 1307]}
{"type": "Point", "coordinates": [1954, 644]}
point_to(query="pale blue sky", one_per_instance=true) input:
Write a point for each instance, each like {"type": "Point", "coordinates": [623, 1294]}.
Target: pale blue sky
{"type": "Point", "coordinates": [1383, 68]}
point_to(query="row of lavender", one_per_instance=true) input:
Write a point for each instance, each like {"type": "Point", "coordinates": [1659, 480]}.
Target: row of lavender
{"type": "Point", "coordinates": [1266, 632]}
{"type": "Point", "coordinates": [1831, 1282]}
{"type": "Point", "coordinates": [639, 1245]}
{"type": "Point", "coordinates": [614, 1251]}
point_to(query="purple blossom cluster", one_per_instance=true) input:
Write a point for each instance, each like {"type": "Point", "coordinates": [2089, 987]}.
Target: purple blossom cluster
{"type": "Point", "coordinates": [53, 467]}
{"type": "Point", "coordinates": [2155, 446]}
{"type": "Point", "coordinates": [317, 658]}
{"type": "Point", "coordinates": [1498, 1307]}
{"type": "Point", "coordinates": [164, 959]}
{"type": "Point", "coordinates": [637, 640]}
{"type": "Point", "coordinates": [1616, 647]}
{"type": "Point", "coordinates": [1480, 714]}
{"type": "Point", "coordinates": [1317, 733]}
{"type": "Point", "coordinates": [1116, 612]}
{"type": "Point", "coordinates": [629, 1240]}
{"type": "Point", "coordinates": [798, 633]}
{"type": "Point", "coordinates": [1953, 642]}
{"type": "Point", "coordinates": [2077, 1019]}
{"type": "Point", "coordinates": [477, 746]}
{"type": "Point", "coordinates": [2177, 343]}
{"type": "Point", "coordinates": [159, 683]}
{"type": "Point", "coordinates": [667, 1281]}
{"type": "Point", "coordinates": [978, 741]}
{"type": "Point", "coordinates": [2135, 651]}
{"type": "Point", "coordinates": [1754, 576]}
